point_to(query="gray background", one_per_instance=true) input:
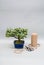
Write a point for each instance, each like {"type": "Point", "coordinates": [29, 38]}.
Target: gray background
{"type": "Point", "coordinates": [22, 13]}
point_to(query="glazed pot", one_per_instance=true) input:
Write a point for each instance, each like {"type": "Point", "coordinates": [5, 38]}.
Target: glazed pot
{"type": "Point", "coordinates": [19, 45]}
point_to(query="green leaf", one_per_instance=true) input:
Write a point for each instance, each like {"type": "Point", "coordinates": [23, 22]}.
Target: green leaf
{"type": "Point", "coordinates": [19, 33]}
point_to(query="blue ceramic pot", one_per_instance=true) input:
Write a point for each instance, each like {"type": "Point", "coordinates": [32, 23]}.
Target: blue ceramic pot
{"type": "Point", "coordinates": [18, 45]}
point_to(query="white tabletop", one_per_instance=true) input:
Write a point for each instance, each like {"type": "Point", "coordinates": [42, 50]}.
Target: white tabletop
{"type": "Point", "coordinates": [9, 57]}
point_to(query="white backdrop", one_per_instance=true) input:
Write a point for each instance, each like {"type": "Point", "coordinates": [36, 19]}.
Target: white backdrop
{"type": "Point", "coordinates": [22, 13]}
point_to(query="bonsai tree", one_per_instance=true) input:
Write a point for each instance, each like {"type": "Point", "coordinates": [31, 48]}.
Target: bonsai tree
{"type": "Point", "coordinates": [18, 33]}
